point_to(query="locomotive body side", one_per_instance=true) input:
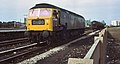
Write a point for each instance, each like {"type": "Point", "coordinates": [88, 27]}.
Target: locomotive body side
{"type": "Point", "coordinates": [72, 21]}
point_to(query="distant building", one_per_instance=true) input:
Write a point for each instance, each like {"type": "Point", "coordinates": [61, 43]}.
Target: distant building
{"type": "Point", "coordinates": [115, 23]}
{"type": "Point", "coordinates": [12, 24]}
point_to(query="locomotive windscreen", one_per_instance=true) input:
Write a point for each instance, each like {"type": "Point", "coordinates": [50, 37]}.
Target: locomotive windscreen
{"type": "Point", "coordinates": [39, 12]}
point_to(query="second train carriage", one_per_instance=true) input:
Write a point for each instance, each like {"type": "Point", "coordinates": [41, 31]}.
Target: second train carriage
{"type": "Point", "coordinates": [95, 25]}
{"type": "Point", "coordinates": [45, 20]}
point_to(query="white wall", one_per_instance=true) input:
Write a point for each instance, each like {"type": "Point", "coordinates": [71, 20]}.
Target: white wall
{"type": "Point", "coordinates": [115, 23]}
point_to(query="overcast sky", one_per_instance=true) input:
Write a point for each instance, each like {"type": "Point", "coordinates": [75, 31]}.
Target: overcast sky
{"type": "Point", "coordinates": [106, 10]}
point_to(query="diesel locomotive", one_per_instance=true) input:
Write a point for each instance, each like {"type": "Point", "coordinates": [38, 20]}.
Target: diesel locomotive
{"type": "Point", "coordinates": [47, 22]}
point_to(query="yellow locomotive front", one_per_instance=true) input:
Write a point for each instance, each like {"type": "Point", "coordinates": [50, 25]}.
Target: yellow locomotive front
{"type": "Point", "coordinates": [40, 19]}
{"type": "Point", "coordinates": [40, 23]}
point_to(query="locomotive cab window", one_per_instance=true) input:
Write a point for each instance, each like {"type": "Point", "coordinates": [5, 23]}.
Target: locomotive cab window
{"type": "Point", "coordinates": [56, 19]}
{"type": "Point", "coordinates": [38, 22]}
{"type": "Point", "coordinates": [55, 13]}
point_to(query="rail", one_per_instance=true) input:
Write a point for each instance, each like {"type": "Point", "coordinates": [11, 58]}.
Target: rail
{"type": "Point", "coordinates": [15, 55]}
{"type": "Point", "coordinates": [96, 54]}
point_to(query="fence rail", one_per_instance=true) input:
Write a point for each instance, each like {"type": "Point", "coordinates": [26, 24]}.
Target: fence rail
{"type": "Point", "coordinates": [96, 54]}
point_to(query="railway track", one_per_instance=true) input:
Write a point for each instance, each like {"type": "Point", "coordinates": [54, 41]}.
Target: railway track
{"type": "Point", "coordinates": [11, 48]}
{"type": "Point", "coordinates": [8, 55]}
{"type": "Point", "coordinates": [9, 44]}
{"type": "Point", "coordinates": [12, 53]}
{"type": "Point", "coordinates": [9, 41]}
{"type": "Point", "coordinates": [16, 48]}
{"type": "Point", "coordinates": [55, 50]}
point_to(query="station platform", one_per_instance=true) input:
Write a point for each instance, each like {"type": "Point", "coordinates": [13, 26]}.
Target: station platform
{"type": "Point", "coordinates": [12, 30]}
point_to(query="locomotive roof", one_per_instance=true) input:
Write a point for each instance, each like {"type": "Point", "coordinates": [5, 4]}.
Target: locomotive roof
{"type": "Point", "coordinates": [97, 22]}
{"type": "Point", "coordinates": [45, 5]}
